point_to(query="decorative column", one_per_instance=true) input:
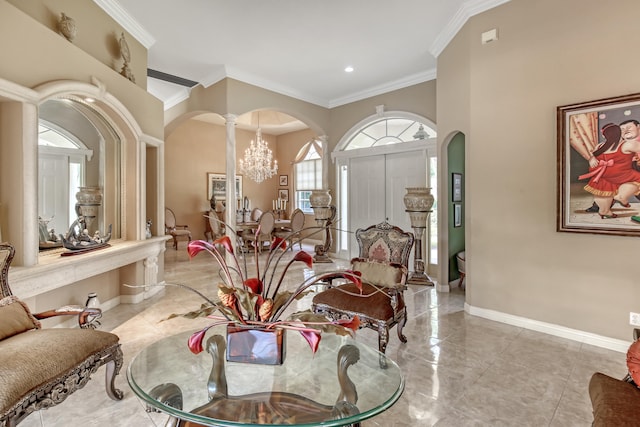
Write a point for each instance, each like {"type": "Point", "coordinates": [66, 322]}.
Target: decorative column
{"type": "Point", "coordinates": [230, 170]}
{"type": "Point", "coordinates": [325, 213]}
{"type": "Point", "coordinates": [418, 203]}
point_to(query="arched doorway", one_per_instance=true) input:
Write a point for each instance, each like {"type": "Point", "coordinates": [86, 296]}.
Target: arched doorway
{"type": "Point", "coordinates": [456, 209]}
{"type": "Point", "coordinates": [376, 160]}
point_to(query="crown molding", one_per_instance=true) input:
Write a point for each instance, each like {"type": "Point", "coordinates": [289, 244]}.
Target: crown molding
{"type": "Point", "coordinates": [180, 96]}
{"type": "Point", "coordinates": [214, 77]}
{"type": "Point", "coordinates": [115, 11]}
{"type": "Point", "coordinates": [326, 103]}
{"type": "Point", "coordinates": [384, 88]}
{"type": "Point", "coordinates": [466, 11]}
{"type": "Point", "coordinates": [274, 87]}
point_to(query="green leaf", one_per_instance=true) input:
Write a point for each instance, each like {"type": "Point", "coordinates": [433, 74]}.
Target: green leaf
{"type": "Point", "coordinates": [248, 301]}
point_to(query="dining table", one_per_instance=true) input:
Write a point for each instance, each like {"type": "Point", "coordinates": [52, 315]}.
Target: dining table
{"type": "Point", "coordinates": [241, 227]}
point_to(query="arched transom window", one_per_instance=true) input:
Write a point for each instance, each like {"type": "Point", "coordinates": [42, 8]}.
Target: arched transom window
{"type": "Point", "coordinates": [390, 131]}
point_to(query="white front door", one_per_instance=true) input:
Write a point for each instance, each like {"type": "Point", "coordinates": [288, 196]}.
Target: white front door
{"type": "Point", "coordinates": [366, 195]}
{"type": "Point", "coordinates": [377, 188]}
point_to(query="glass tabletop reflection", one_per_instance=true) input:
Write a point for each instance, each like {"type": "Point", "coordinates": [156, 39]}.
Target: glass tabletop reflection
{"type": "Point", "coordinates": [344, 383]}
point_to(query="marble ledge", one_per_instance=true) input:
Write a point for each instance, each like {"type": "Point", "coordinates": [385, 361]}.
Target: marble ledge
{"type": "Point", "coordinates": [54, 271]}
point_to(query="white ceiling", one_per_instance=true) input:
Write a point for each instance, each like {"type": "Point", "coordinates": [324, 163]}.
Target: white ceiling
{"type": "Point", "coordinates": [295, 47]}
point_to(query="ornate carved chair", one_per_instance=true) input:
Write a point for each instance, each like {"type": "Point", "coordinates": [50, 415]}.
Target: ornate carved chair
{"type": "Point", "coordinates": [383, 258]}
{"type": "Point", "coordinates": [40, 367]}
{"type": "Point", "coordinates": [171, 227]}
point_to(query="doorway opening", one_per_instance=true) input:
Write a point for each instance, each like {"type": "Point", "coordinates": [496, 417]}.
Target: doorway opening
{"type": "Point", "coordinates": [376, 161]}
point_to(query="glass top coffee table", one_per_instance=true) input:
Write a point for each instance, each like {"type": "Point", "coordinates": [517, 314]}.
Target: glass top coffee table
{"type": "Point", "coordinates": [344, 383]}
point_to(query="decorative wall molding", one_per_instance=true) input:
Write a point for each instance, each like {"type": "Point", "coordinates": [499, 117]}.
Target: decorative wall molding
{"type": "Point", "coordinates": [468, 9]}
{"type": "Point", "coordinates": [115, 11]}
{"type": "Point", "coordinates": [406, 81]}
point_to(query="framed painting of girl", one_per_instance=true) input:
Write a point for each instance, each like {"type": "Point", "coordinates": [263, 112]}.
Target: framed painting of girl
{"type": "Point", "coordinates": [599, 166]}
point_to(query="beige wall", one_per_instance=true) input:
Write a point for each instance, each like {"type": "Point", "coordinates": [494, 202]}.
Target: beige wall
{"type": "Point", "coordinates": [42, 56]}
{"type": "Point", "coordinates": [503, 96]}
{"type": "Point", "coordinates": [97, 34]}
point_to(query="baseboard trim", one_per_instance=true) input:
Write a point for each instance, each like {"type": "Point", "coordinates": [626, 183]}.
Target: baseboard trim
{"type": "Point", "coordinates": [147, 293]}
{"type": "Point", "coordinates": [550, 328]}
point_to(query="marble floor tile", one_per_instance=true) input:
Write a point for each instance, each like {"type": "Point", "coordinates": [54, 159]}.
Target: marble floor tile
{"type": "Point", "coordinates": [460, 370]}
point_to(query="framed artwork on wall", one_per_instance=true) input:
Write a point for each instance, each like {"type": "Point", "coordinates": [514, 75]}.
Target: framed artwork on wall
{"type": "Point", "coordinates": [284, 180]}
{"type": "Point", "coordinates": [217, 186]}
{"type": "Point", "coordinates": [598, 169]}
{"type": "Point", "coordinates": [456, 187]}
{"type": "Point", "coordinates": [457, 215]}
{"type": "Point", "coordinates": [283, 194]}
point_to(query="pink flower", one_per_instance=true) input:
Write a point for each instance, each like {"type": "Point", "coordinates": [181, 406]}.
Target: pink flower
{"type": "Point", "coordinates": [195, 340]}
{"type": "Point", "coordinates": [313, 338]}
{"type": "Point", "coordinates": [197, 246]}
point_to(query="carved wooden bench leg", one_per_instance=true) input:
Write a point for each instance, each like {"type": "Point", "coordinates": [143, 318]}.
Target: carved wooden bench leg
{"type": "Point", "coordinates": [112, 369]}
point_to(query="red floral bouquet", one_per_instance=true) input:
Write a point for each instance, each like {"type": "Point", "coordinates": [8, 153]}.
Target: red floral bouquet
{"type": "Point", "coordinates": [258, 300]}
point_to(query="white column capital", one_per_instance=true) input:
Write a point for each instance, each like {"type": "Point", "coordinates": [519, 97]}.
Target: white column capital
{"type": "Point", "coordinates": [230, 118]}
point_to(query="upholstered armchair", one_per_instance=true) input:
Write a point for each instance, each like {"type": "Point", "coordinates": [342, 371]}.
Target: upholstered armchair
{"type": "Point", "coordinates": [382, 263]}
{"type": "Point", "coordinates": [174, 229]}
{"type": "Point", "coordinates": [41, 367]}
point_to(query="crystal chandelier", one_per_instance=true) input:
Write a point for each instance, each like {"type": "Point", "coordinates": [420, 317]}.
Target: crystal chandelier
{"type": "Point", "coordinates": [257, 160]}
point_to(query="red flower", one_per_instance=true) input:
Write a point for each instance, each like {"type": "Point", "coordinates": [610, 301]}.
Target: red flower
{"type": "Point", "coordinates": [278, 242]}
{"type": "Point", "coordinates": [304, 257]}
{"type": "Point", "coordinates": [225, 241]}
{"type": "Point", "coordinates": [352, 324]}
{"type": "Point", "coordinates": [255, 284]}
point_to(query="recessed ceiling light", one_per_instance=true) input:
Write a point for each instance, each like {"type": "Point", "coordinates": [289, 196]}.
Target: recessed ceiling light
{"type": "Point", "coordinates": [349, 69]}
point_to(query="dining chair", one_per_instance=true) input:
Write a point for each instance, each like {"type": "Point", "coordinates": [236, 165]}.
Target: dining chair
{"type": "Point", "coordinates": [292, 233]}
{"type": "Point", "coordinates": [215, 229]}
{"type": "Point", "coordinates": [256, 213]}
{"type": "Point", "coordinates": [266, 223]}
{"type": "Point", "coordinates": [175, 230]}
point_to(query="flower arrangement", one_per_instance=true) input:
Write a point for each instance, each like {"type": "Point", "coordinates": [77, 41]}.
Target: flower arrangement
{"type": "Point", "coordinates": [258, 300]}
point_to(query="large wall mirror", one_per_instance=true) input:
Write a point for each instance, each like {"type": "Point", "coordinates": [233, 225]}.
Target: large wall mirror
{"type": "Point", "coordinates": [77, 147]}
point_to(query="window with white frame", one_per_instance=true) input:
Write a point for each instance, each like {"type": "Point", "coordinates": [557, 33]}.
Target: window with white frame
{"type": "Point", "coordinates": [307, 174]}
{"type": "Point", "coordinates": [390, 130]}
